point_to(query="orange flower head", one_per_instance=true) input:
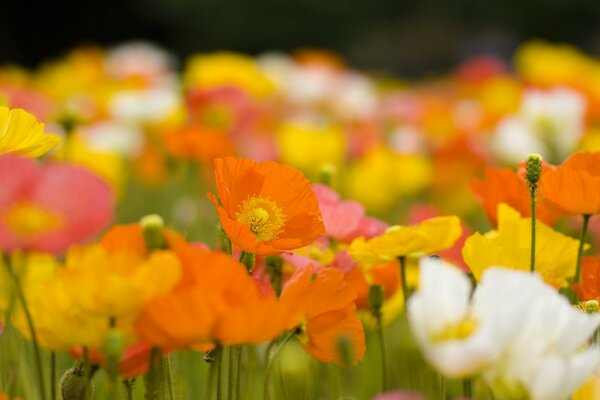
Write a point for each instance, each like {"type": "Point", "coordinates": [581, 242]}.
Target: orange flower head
{"type": "Point", "coordinates": [502, 185]}
{"type": "Point", "coordinates": [216, 301]}
{"type": "Point", "coordinates": [325, 312]}
{"type": "Point", "coordinates": [266, 208]}
{"type": "Point", "coordinates": [199, 143]}
{"type": "Point", "coordinates": [589, 288]}
{"type": "Point", "coordinates": [572, 188]}
{"type": "Point", "coordinates": [387, 275]}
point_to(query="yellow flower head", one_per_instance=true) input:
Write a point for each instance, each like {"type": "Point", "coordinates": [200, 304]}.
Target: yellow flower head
{"type": "Point", "coordinates": [297, 146]}
{"type": "Point", "coordinates": [510, 247]}
{"type": "Point", "coordinates": [117, 284]}
{"type": "Point", "coordinates": [428, 237]}
{"type": "Point", "coordinates": [227, 69]}
{"type": "Point", "coordinates": [393, 175]}
{"type": "Point", "coordinates": [21, 133]}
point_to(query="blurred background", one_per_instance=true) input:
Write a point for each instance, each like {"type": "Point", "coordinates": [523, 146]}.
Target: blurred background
{"type": "Point", "coordinates": [406, 38]}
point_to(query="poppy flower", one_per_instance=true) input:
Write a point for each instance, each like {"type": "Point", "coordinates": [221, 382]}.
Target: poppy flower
{"type": "Point", "coordinates": [22, 134]}
{"type": "Point", "coordinates": [386, 275]}
{"type": "Point", "coordinates": [47, 208]}
{"type": "Point", "coordinates": [198, 143]}
{"type": "Point", "coordinates": [345, 220]}
{"type": "Point", "coordinates": [502, 185]}
{"type": "Point", "coordinates": [572, 187]}
{"type": "Point", "coordinates": [589, 287]}
{"type": "Point", "coordinates": [427, 237]}
{"type": "Point", "coordinates": [215, 301]}
{"type": "Point", "coordinates": [265, 208]}
{"type": "Point", "coordinates": [510, 246]}
{"type": "Point", "coordinates": [325, 308]}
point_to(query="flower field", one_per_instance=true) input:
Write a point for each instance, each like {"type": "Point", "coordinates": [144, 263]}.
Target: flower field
{"type": "Point", "coordinates": [285, 226]}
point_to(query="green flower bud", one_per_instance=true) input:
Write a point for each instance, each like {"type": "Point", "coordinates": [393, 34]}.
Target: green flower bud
{"type": "Point", "coordinates": [533, 169]}
{"type": "Point", "coordinates": [327, 173]}
{"type": "Point", "coordinates": [152, 226]}
{"type": "Point", "coordinates": [75, 384]}
{"type": "Point", "coordinates": [376, 299]}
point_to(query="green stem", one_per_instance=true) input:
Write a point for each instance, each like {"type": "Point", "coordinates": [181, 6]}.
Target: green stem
{"type": "Point", "coordinates": [225, 372]}
{"type": "Point", "coordinates": [586, 220]}
{"type": "Point", "coordinates": [384, 371]}
{"type": "Point", "coordinates": [402, 260]}
{"type": "Point", "coordinates": [129, 388]}
{"type": "Point", "coordinates": [215, 374]}
{"type": "Point", "coordinates": [53, 368]}
{"type": "Point", "coordinates": [166, 367]}
{"type": "Point", "coordinates": [237, 366]}
{"type": "Point", "coordinates": [31, 327]}
{"type": "Point", "coordinates": [532, 196]}
{"type": "Point", "coordinates": [468, 388]}
{"type": "Point", "coordinates": [271, 362]}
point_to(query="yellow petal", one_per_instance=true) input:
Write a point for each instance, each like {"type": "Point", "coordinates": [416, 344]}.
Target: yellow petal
{"type": "Point", "coordinates": [21, 133]}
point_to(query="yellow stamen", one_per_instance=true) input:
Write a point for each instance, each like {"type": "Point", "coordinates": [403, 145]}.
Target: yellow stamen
{"type": "Point", "coordinates": [265, 218]}
{"type": "Point", "coordinates": [460, 330]}
{"type": "Point", "coordinates": [28, 220]}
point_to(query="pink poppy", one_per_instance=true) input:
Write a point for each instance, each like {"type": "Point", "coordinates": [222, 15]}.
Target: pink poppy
{"type": "Point", "coordinates": [345, 220]}
{"type": "Point", "coordinates": [50, 207]}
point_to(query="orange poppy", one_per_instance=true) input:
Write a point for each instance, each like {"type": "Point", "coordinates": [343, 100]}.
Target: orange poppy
{"type": "Point", "coordinates": [198, 143]}
{"type": "Point", "coordinates": [266, 208]}
{"type": "Point", "coordinates": [589, 286]}
{"type": "Point", "coordinates": [502, 185]}
{"type": "Point", "coordinates": [325, 308]}
{"type": "Point", "coordinates": [572, 188]}
{"type": "Point", "coordinates": [386, 275]}
{"type": "Point", "coordinates": [216, 301]}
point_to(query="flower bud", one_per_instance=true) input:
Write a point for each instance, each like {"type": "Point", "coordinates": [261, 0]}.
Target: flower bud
{"type": "Point", "coordinates": [327, 173]}
{"type": "Point", "coordinates": [376, 298]}
{"type": "Point", "coordinates": [152, 226]}
{"type": "Point", "coordinates": [533, 169]}
{"type": "Point", "coordinates": [76, 385]}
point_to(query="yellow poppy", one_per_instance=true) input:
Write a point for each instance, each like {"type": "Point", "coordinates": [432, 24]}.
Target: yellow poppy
{"type": "Point", "coordinates": [510, 246]}
{"type": "Point", "coordinates": [21, 133]}
{"type": "Point", "coordinates": [429, 236]}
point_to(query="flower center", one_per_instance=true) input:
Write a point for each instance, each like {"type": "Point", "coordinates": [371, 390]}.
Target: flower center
{"type": "Point", "coordinates": [27, 220]}
{"type": "Point", "coordinates": [265, 218]}
{"type": "Point", "coordinates": [457, 331]}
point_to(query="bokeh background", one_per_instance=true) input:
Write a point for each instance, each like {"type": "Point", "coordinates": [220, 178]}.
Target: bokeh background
{"type": "Point", "coordinates": [405, 38]}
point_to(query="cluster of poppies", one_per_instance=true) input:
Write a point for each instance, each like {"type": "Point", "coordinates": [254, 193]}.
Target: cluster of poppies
{"type": "Point", "coordinates": [342, 211]}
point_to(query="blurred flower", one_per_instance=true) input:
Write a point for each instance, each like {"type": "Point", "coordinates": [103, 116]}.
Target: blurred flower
{"type": "Point", "coordinates": [141, 61]}
{"type": "Point", "coordinates": [510, 246]}
{"type": "Point", "coordinates": [550, 356]}
{"type": "Point", "coordinates": [549, 123]}
{"type": "Point", "coordinates": [427, 237]}
{"type": "Point", "coordinates": [502, 185]}
{"type": "Point", "coordinates": [227, 69]}
{"type": "Point", "coordinates": [460, 336]}
{"type": "Point", "coordinates": [590, 390]}
{"type": "Point", "coordinates": [515, 330]}
{"type": "Point", "coordinates": [589, 287]}
{"type": "Point", "coordinates": [265, 208]}
{"type": "Point", "coordinates": [324, 306]}
{"type": "Point", "coordinates": [22, 134]}
{"type": "Point", "coordinates": [48, 208]}
{"type": "Point", "coordinates": [571, 187]}
{"type": "Point", "coordinates": [198, 143]}
{"type": "Point", "coordinates": [345, 220]}
{"type": "Point", "coordinates": [392, 175]}
{"type": "Point", "coordinates": [296, 142]}
{"type": "Point", "coordinates": [134, 361]}
{"type": "Point", "coordinates": [215, 301]}
{"type": "Point", "coordinates": [399, 395]}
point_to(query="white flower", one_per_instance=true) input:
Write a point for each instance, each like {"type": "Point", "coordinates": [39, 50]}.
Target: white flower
{"type": "Point", "coordinates": [549, 122]}
{"type": "Point", "coordinates": [548, 358]}
{"type": "Point", "coordinates": [523, 337]}
{"type": "Point", "coordinates": [458, 337]}
{"type": "Point", "coordinates": [144, 106]}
